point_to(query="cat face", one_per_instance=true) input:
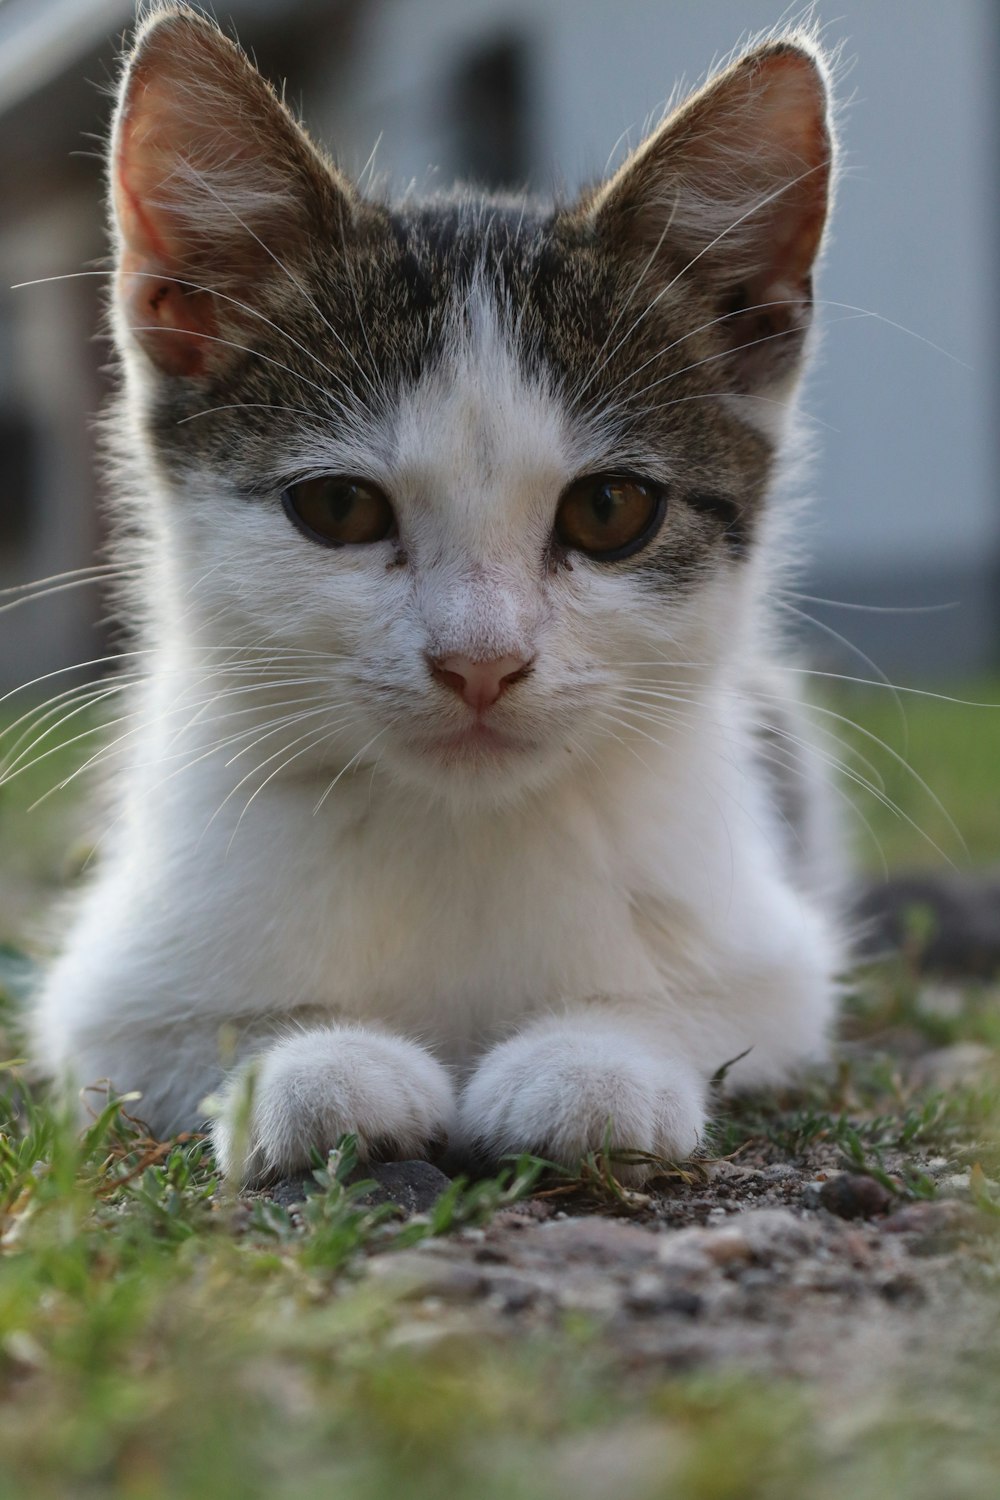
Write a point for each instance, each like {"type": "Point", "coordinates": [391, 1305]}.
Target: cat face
{"type": "Point", "coordinates": [483, 467]}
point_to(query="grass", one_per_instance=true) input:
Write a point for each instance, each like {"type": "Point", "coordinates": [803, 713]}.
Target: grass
{"type": "Point", "coordinates": [160, 1341]}
{"type": "Point", "coordinates": [935, 765]}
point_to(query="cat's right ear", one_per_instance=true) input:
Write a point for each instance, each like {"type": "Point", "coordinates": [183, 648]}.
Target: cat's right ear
{"type": "Point", "coordinates": [216, 194]}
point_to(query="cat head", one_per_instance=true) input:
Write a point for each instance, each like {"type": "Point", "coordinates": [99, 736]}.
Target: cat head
{"type": "Point", "coordinates": [493, 469]}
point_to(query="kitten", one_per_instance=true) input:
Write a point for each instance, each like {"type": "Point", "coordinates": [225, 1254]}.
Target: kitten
{"type": "Point", "coordinates": [468, 798]}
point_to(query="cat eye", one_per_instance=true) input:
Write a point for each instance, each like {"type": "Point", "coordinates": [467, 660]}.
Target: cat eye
{"type": "Point", "coordinates": [608, 516]}
{"type": "Point", "coordinates": [339, 512]}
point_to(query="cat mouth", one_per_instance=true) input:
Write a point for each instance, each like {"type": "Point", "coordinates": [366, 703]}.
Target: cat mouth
{"type": "Point", "coordinates": [476, 739]}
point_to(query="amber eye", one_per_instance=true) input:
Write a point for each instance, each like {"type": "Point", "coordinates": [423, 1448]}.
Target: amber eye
{"type": "Point", "coordinates": [340, 512]}
{"type": "Point", "coordinates": [608, 516]}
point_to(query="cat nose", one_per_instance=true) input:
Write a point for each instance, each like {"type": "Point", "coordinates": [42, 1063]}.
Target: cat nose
{"type": "Point", "coordinates": [479, 683]}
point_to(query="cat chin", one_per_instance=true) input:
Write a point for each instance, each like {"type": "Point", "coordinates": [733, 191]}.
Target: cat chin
{"type": "Point", "coordinates": [478, 742]}
{"type": "Point", "coordinates": [470, 774]}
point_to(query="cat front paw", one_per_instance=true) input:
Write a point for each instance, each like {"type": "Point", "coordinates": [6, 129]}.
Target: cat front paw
{"type": "Point", "coordinates": [304, 1093]}
{"type": "Point", "coordinates": [562, 1092]}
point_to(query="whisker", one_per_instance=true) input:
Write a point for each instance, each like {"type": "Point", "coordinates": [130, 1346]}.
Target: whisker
{"type": "Point", "coordinates": [95, 572]}
{"type": "Point", "coordinates": [708, 359]}
{"type": "Point", "coordinates": [307, 714]}
{"type": "Point", "coordinates": [37, 715]}
{"type": "Point", "coordinates": [268, 359]}
{"type": "Point", "coordinates": [691, 333]}
{"type": "Point", "coordinates": [312, 741]}
{"type": "Point", "coordinates": [792, 747]}
{"type": "Point", "coordinates": [357, 308]}
{"type": "Point", "coordinates": [594, 372]}
{"type": "Point", "coordinates": [842, 640]}
{"type": "Point", "coordinates": [106, 753]}
{"type": "Point", "coordinates": [875, 786]}
{"type": "Point", "coordinates": [196, 286]}
{"type": "Point", "coordinates": [237, 662]}
{"type": "Point", "coordinates": [887, 802]}
{"type": "Point", "coordinates": [645, 411]}
{"type": "Point", "coordinates": [354, 759]}
{"type": "Point", "coordinates": [62, 745]}
{"type": "Point", "coordinates": [14, 764]}
{"type": "Point", "coordinates": [798, 670]}
{"type": "Point", "coordinates": [788, 762]}
{"type": "Point", "coordinates": [633, 728]}
{"type": "Point", "coordinates": [210, 411]}
{"type": "Point", "coordinates": [875, 609]}
{"type": "Point", "coordinates": [899, 760]}
{"type": "Point", "coordinates": [145, 720]}
{"type": "Point", "coordinates": [750, 699]}
{"type": "Point", "coordinates": [240, 690]}
{"type": "Point", "coordinates": [313, 736]}
{"type": "Point", "coordinates": [226, 742]}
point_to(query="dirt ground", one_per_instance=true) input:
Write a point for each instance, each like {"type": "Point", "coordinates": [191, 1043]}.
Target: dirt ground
{"type": "Point", "coordinates": [784, 1256]}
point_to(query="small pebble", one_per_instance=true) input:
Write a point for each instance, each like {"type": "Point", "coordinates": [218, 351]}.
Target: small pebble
{"type": "Point", "coordinates": [851, 1195]}
{"type": "Point", "coordinates": [491, 1255]}
{"type": "Point", "coordinates": [902, 1288]}
{"type": "Point", "coordinates": [413, 1186]}
{"type": "Point", "coordinates": [778, 1172]}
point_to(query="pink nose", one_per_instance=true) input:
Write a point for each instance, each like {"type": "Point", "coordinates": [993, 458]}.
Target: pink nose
{"type": "Point", "coordinates": [479, 683]}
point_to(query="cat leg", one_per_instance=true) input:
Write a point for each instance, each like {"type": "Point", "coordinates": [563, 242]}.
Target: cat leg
{"type": "Point", "coordinates": [568, 1085]}
{"type": "Point", "coordinates": [304, 1092]}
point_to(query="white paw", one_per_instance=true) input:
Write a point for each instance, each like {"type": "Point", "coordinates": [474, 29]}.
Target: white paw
{"type": "Point", "coordinates": [303, 1094]}
{"type": "Point", "coordinates": [561, 1091]}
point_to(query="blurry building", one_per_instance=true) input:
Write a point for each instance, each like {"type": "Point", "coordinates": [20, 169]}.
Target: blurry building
{"type": "Point", "coordinates": [545, 93]}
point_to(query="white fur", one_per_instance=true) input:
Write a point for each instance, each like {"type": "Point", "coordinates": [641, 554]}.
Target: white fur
{"type": "Point", "coordinates": [324, 1083]}
{"type": "Point", "coordinates": [580, 1084]}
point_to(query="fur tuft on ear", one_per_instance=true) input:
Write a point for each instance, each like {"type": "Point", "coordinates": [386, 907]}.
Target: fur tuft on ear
{"type": "Point", "coordinates": [732, 191]}
{"type": "Point", "coordinates": [214, 189]}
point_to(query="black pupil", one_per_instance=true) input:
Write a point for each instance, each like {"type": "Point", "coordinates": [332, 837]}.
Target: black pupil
{"type": "Point", "coordinates": [606, 501]}
{"type": "Point", "coordinates": [340, 501]}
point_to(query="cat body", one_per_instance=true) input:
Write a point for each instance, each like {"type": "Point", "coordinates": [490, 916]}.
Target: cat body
{"type": "Point", "coordinates": [455, 804]}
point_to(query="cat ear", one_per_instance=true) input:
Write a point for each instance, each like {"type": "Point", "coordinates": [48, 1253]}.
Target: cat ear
{"type": "Point", "coordinates": [216, 192]}
{"type": "Point", "coordinates": [732, 192]}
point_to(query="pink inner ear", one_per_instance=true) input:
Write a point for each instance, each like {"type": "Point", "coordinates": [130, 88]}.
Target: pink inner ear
{"type": "Point", "coordinates": [146, 154]}
{"type": "Point", "coordinates": [175, 324]}
{"type": "Point", "coordinates": [799, 215]}
{"type": "Point", "coordinates": [176, 327]}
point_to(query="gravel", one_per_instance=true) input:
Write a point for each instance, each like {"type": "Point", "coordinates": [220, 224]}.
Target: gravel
{"type": "Point", "coordinates": [785, 1263]}
{"type": "Point", "coordinates": [773, 1284]}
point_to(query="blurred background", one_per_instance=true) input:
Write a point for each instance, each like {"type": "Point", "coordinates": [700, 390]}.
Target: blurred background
{"type": "Point", "coordinates": [547, 94]}
{"type": "Point", "coordinates": [904, 529]}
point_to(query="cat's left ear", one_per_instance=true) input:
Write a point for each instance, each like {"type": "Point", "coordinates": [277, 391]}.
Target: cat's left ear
{"type": "Point", "coordinates": [730, 196]}
{"type": "Point", "coordinates": [217, 195]}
